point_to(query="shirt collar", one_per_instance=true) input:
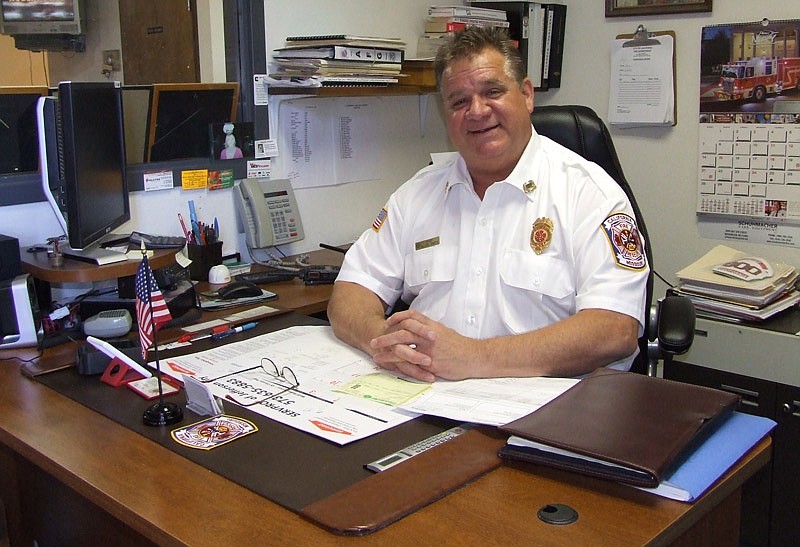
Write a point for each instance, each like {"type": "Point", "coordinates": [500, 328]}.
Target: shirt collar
{"type": "Point", "coordinates": [519, 178]}
{"type": "Point", "coordinates": [527, 166]}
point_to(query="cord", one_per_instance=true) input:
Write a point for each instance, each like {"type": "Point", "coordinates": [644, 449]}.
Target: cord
{"type": "Point", "coordinates": [667, 283]}
{"type": "Point", "coordinates": [278, 262]}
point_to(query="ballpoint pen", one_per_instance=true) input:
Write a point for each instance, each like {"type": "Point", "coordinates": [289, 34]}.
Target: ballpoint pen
{"type": "Point", "coordinates": [183, 226]}
{"type": "Point", "coordinates": [234, 330]}
{"type": "Point", "coordinates": [190, 337]}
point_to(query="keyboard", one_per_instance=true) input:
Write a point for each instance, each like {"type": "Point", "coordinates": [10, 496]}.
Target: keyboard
{"type": "Point", "coordinates": [268, 276]}
{"type": "Point", "coordinates": [157, 242]}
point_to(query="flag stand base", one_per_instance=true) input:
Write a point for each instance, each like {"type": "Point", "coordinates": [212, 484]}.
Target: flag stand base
{"type": "Point", "coordinates": [162, 413]}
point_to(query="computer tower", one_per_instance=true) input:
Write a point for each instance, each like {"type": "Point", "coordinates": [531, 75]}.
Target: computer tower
{"type": "Point", "coordinates": [10, 262]}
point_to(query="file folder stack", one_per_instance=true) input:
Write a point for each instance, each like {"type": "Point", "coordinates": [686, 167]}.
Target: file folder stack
{"type": "Point", "coordinates": [731, 285]}
{"type": "Point", "coordinates": [340, 60]}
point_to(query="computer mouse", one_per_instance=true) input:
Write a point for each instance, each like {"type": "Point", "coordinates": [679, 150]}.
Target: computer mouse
{"type": "Point", "coordinates": [239, 289]}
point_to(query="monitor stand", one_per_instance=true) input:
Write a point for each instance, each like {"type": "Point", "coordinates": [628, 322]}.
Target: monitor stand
{"type": "Point", "coordinates": [95, 255]}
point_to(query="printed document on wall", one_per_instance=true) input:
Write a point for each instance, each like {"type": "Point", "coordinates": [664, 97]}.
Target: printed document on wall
{"type": "Point", "coordinates": [330, 141]}
{"type": "Point", "coordinates": [642, 82]}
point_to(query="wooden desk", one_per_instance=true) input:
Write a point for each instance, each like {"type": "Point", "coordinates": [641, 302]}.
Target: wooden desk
{"type": "Point", "coordinates": [308, 300]}
{"type": "Point", "coordinates": [76, 271]}
{"type": "Point", "coordinates": [71, 476]}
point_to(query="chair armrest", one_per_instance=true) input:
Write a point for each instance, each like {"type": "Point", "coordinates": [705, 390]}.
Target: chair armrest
{"type": "Point", "coordinates": [676, 322]}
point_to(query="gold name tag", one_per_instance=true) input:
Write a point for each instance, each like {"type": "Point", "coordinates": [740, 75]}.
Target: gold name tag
{"type": "Point", "coordinates": [432, 242]}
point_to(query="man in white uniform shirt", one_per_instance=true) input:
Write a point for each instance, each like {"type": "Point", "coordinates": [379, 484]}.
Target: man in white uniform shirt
{"type": "Point", "coordinates": [518, 257]}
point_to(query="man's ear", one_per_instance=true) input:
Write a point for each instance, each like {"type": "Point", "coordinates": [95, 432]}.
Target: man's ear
{"type": "Point", "coordinates": [527, 91]}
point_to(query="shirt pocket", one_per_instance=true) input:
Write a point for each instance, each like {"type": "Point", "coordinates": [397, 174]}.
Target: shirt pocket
{"type": "Point", "coordinates": [536, 290]}
{"type": "Point", "coordinates": [432, 265]}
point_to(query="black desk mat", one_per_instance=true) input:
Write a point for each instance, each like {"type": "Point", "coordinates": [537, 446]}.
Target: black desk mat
{"type": "Point", "coordinates": [287, 466]}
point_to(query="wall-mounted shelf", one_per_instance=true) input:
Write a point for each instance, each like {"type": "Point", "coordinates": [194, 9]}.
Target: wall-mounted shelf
{"type": "Point", "coordinates": [419, 79]}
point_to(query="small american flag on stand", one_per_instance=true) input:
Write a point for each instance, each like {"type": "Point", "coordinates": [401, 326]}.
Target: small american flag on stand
{"type": "Point", "coordinates": [148, 295]}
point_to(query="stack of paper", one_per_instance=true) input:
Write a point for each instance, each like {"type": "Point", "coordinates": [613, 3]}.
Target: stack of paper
{"type": "Point", "coordinates": [340, 59]}
{"type": "Point", "coordinates": [442, 21]}
{"type": "Point", "coordinates": [729, 284]}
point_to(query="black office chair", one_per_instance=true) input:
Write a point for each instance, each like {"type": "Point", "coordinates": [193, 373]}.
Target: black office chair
{"type": "Point", "coordinates": [669, 325]}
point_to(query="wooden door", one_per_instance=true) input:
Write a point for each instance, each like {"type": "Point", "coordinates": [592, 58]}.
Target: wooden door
{"type": "Point", "coordinates": [159, 41]}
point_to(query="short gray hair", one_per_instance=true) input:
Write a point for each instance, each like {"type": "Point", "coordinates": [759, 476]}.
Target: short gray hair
{"type": "Point", "coordinates": [473, 40]}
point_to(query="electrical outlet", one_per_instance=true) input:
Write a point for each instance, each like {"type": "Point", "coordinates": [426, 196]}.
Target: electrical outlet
{"type": "Point", "coordinates": [112, 58]}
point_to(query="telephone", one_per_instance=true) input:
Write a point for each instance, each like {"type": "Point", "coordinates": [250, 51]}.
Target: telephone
{"type": "Point", "coordinates": [268, 211]}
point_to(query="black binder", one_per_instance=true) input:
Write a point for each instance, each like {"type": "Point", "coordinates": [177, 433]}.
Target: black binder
{"type": "Point", "coordinates": [556, 24]}
{"type": "Point", "coordinates": [539, 30]}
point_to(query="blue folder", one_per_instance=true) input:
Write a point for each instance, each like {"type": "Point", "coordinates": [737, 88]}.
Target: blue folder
{"type": "Point", "coordinates": [718, 453]}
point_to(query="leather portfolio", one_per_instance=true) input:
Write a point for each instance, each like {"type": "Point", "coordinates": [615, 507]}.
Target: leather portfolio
{"type": "Point", "coordinates": [621, 426]}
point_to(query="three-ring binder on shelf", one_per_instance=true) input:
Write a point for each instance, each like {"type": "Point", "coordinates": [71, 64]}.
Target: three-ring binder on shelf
{"type": "Point", "coordinates": [643, 79]}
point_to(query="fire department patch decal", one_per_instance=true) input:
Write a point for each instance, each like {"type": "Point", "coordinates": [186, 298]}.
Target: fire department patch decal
{"type": "Point", "coordinates": [626, 243]}
{"type": "Point", "coordinates": [213, 432]}
{"type": "Point", "coordinates": [380, 219]}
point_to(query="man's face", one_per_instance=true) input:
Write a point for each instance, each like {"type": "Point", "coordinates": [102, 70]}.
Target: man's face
{"type": "Point", "coordinates": [487, 114]}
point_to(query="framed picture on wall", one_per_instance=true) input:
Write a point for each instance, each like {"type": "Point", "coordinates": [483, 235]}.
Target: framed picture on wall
{"type": "Point", "coordinates": [622, 8]}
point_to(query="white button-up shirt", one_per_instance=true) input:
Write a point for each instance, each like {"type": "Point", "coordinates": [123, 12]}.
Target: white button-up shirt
{"type": "Point", "coordinates": [471, 264]}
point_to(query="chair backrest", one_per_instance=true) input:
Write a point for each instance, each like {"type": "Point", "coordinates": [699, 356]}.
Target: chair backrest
{"type": "Point", "coordinates": [581, 130]}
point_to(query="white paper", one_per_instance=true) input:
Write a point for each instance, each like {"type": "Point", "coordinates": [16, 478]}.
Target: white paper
{"type": "Point", "coordinates": [331, 142]}
{"type": "Point", "coordinates": [491, 401]}
{"type": "Point", "coordinates": [320, 362]}
{"type": "Point", "coordinates": [158, 180]}
{"type": "Point", "coordinates": [642, 88]}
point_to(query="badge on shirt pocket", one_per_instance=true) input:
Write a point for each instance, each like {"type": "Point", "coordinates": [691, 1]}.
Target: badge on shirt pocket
{"type": "Point", "coordinates": [541, 234]}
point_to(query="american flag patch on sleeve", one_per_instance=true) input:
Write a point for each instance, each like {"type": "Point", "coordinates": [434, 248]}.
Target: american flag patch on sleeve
{"type": "Point", "coordinates": [380, 219]}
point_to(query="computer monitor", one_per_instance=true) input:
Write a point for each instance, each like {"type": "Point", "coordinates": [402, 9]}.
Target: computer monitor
{"type": "Point", "coordinates": [18, 142]}
{"type": "Point", "coordinates": [181, 115]}
{"type": "Point", "coordinates": [82, 164]}
{"type": "Point", "coordinates": [42, 16]}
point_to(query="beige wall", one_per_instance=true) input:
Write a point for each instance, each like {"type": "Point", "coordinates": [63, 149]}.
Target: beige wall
{"type": "Point", "coordinates": [21, 67]}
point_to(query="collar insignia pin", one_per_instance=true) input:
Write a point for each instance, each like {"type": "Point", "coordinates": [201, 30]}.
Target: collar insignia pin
{"type": "Point", "coordinates": [529, 187]}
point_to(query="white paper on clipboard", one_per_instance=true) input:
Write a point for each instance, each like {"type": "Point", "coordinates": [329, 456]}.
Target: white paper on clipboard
{"type": "Point", "coordinates": [642, 80]}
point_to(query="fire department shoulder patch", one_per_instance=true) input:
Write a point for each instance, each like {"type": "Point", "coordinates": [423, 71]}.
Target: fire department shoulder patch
{"type": "Point", "coordinates": [626, 243]}
{"type": "Point", "coordinates": [380, 219]}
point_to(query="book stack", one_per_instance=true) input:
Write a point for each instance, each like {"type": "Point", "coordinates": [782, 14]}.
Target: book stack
{"type": "Point", "coordinates": [339, 60]}
{"type": "Point", "coordinates": [444, 20]}
{"type": "Point", "coordinates": [731, 285]}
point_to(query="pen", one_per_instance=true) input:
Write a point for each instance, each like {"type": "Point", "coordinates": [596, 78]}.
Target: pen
{"type": "Point", "coordinates": [189, 337]}
{"type": "Point", "coordinates": [183, 225]}
{"type": "Point", "coordinates": [196, 233]}
{"type": "Point", "coordinates": [234, 330]}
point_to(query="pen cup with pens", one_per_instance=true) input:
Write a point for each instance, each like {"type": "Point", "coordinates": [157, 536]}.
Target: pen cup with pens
{"type": "Point", "coordinates": [203, 258]}
{"type": "Point", "coordinates": [204, 247]}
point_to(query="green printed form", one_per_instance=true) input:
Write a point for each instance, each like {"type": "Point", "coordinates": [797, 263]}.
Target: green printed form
{"type": "Point", "coordinates": [383, 388]}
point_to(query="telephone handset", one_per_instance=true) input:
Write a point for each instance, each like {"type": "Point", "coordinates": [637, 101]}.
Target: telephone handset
{"type": "Point", "coordinates": [269, 212]}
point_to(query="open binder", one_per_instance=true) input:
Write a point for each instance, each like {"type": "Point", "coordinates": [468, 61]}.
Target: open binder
{"type": "Point", "coordinates": [643, 79]}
